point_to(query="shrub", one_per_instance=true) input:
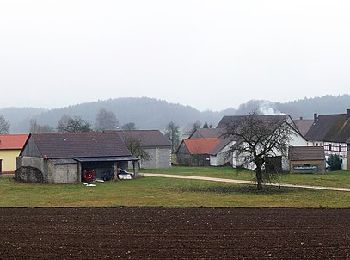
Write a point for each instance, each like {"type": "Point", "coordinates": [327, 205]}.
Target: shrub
{"type": "Point", "coordinates": [334, 161]}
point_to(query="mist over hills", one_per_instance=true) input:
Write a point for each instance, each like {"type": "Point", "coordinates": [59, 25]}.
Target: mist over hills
{"type": "Point", "coordinates": [150, 113]}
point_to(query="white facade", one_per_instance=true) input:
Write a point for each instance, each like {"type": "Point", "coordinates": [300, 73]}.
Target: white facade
{"type": "Point", "coordinates": [295, 140]}
{"type": "Point", "coordinates": [330, 148]}
{"type": "Point", "coordinates": [223, 156]}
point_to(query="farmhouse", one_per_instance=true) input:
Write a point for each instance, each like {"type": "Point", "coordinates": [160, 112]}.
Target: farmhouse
{"type": "Point", "coordinates": [10, 147]}
{"type": "Point", "coordinates": [207, 133]}
{"type": "Point", "coordinates": [68, 157]}
{"type": "Point", "coordinates": [332, 132]}
{"type": "Point", "coordinates": [154, 143]}
{"type": "Point", "coordinates": [280, 161]}
{"type": "Point", "coordinates": [307, 159]}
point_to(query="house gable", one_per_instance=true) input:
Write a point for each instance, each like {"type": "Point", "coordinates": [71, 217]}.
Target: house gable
{"type": "Point", "coordinates": [30, 149]}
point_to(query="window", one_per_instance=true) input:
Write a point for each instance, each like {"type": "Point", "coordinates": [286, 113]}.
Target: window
{"type": "Point", "coordinates": [340, 148]}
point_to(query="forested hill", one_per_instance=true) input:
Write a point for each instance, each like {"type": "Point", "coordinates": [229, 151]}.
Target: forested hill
{"type": "Point", "coordinates": [146, 113]}
{"type": "Point", "coordinates": [150, 113]}
{"type": "Point", "coordinates": [306, 107]}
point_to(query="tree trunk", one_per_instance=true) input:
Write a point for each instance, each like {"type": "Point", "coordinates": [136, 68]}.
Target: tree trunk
{"type": "Point", "coordinates": [258, 175]}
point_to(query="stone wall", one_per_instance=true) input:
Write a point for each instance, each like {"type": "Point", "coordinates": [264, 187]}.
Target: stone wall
{"type": "Point", "coordinates": [31, 169]}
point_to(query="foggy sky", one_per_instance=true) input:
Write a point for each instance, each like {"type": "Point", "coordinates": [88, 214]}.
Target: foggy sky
{"type": "Point", "coordinates": [207, 54]}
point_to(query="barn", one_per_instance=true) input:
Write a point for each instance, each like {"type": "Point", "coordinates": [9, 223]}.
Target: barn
{"type": "Point", "coordinates": [307, 159]}
{"type": "Point", "coordinates": [154, 143]}
{"type": "Point", "coordinates": [69, 157]}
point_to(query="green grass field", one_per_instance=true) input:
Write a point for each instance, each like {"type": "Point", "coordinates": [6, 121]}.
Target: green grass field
{"type": "Point", "coordinates": [155, 191]}
{"type": "Point", "coordinates": [337, 179]}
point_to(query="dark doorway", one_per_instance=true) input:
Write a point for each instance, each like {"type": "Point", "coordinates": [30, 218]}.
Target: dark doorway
{"type": "Point", "coordinates": [273, 164]}
{"type": "Point", "coordinates": [0, 166]}
{"type": "Point", "coordinates": [103, 170]}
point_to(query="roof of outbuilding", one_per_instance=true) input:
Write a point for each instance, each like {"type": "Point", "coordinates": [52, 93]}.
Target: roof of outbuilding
{"type": "Point", "coordinates": [80, 145]}
{"type": "Point", "coordinates": [12, 141]}
{"type": "Point", "coordinates": [210, 146]}
{"type": "Point", "coordinates": [306, 153]}
{"type": "Point", "coordinates": [148, 138]}
{"type": "Point", "coordinates": [201, 145]}
{"type": "Point", "coordinates": [331, 128]}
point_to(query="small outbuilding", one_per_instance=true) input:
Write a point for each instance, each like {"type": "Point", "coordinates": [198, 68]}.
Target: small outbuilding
{"type": "Point", "coordinates": [204, 152]}
{"type": "Point", "coordinates": [307, 159]}
{"type": "Point", "coordinates": [67, 157]}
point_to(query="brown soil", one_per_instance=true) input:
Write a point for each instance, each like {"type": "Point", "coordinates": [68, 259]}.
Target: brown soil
{"type": "Point", "coordinates": [190, 233]}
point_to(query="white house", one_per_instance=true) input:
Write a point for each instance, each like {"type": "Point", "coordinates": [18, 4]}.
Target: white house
{"type": "Point", "coordinates": [332, 132]}
{"type": "Point", "coordinates": [296, 138]}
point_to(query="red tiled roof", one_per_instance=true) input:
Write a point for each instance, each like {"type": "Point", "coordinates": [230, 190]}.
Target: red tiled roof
{"type": "Point", "coordinates": [12, 141]}
{"type": "Point", "coordinates": [202, 145]}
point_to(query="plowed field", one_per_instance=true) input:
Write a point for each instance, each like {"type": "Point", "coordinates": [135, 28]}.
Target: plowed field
{"type": "Point", "coordinates": [174, 233]}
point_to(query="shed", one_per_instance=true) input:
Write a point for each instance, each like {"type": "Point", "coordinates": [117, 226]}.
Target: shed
{"type": "Point", "coordinates": [64, 157]}
{"type": "Point", "coordinates": [307, 159]}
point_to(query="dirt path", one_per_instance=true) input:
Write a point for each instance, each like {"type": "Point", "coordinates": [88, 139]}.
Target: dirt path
{"type": "Point", "coordinates": [203, 178]}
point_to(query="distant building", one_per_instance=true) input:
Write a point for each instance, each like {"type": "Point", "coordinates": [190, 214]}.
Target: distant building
{"type": "Point", "coordinates": [303, 125]}
{"type": "Point", "coordinates": [66, 157]}
{"type": "Point", "coordinates": [154, 143]}
{"type": "Point", "coordinates": [332, 132]}
{"type": "Point", "coordinates": [10, 148]}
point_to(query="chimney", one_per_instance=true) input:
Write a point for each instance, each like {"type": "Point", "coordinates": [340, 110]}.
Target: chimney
{"type": "Point", "coordinates": [301, 118]}
{"type": "Point", "coordinates": [315, 117]}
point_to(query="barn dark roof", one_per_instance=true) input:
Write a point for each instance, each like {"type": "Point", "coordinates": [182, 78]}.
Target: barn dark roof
{"type": "Point", "coordinates": [303, 125]}
{"type": "Point", "coordinates": [207, 133]}
{"type": "Point", "coordinates": [330, 128]}
{"type": "Point", "coordinates": [148, 138]}
{"type": "Point", "coordinates": [80, 145]}
{"type": "Point", "coordinates": [227, 120]}
{"type": "Point", "coordinates": [306, 153]}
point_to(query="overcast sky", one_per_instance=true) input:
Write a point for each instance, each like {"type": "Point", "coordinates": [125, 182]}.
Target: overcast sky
{"type": "Point", "coordinates": [207, 54]}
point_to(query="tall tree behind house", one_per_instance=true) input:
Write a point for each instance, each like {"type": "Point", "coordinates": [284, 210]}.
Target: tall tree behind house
{"type": "Point", "coordinates": [106, 120]}
{"type": "Point", "coordinates": [172, 131]}
{"type": "Point", "coordinates": [4, 125]}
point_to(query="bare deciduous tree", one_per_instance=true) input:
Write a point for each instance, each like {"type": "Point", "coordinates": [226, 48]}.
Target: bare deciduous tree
{"type": "Point", "coordinates": [106, 120]}
{"type": "Point", "coordinates": [73, 125]}
{"type": "Point", "coordinates": [37, 128]}
{"type": "Point", "coordinates": [4, 125]}
{"type": "Point", "coordinates": [259, 140]}
{"type": "Point", "coordinates": [134, 145]}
